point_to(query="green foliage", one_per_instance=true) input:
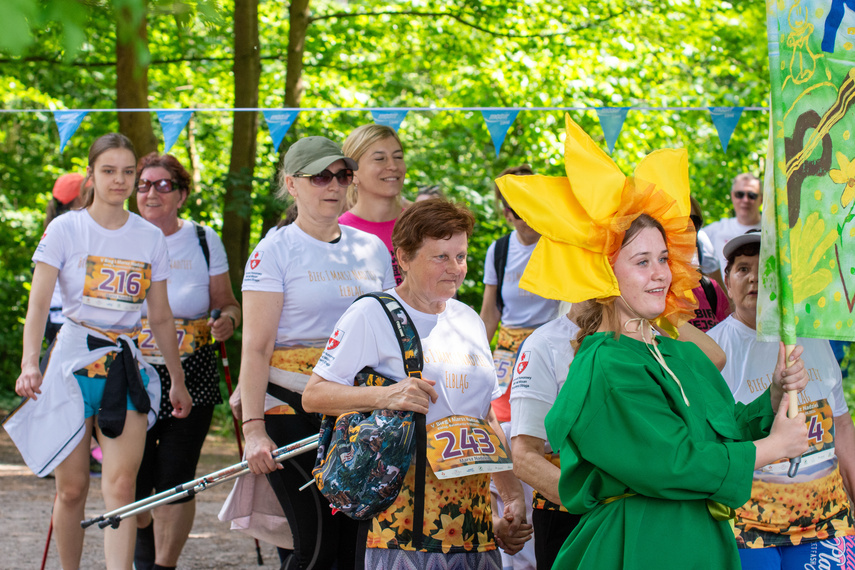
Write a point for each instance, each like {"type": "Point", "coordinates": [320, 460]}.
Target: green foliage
{"type": "Point", "coordinates": [368, 53]}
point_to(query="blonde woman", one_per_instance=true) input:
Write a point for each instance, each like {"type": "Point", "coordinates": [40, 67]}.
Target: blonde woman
{"type": "Point", "coordinates": [374, 198]}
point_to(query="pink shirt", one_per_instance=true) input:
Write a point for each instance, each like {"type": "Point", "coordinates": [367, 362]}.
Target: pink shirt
{"type": "Point", "coordinates": [383, 230]}
{"type": "Point", "coordinates": [705, 318]}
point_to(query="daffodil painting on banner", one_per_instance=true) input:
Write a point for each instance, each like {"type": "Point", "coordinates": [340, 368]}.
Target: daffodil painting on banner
{"type": "Point", "coordinates": [807, 285]}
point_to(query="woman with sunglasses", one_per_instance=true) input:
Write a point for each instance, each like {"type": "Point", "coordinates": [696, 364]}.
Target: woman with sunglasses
{"type": "Point", "coordinates": [375, 196]}
{"type": "Point", "coordinates": [298, 281]}
{"type": "Point", "coordinates": [199, 284]}
{"type": "Point", "coordinates": [108, 261]}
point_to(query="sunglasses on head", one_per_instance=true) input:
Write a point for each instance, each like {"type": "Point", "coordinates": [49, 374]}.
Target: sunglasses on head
{"type": "Point", "coordinates": [162, 186]}
{"type": "Point", "coordinates": [324, 177]}
{"type": "Point", "coordinates": [739, 195]}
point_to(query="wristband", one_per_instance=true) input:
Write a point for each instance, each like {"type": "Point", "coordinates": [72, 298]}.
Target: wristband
{"type": "Point", "coordinates": [244, 422]}
{"type": "Point", "coordinates": [234, 324]}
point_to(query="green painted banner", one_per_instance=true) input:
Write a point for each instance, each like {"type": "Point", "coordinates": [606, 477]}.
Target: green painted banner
{"type": "Point", "coordinates": [807, 256]}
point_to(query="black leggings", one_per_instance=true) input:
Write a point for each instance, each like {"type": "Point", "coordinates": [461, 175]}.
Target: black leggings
{"type": "Point", "coordinates": [321, 539]}
{"type": "Point", "coordinates": [551, 529]}
{"type": "Point", "coordinates": [172, 450]}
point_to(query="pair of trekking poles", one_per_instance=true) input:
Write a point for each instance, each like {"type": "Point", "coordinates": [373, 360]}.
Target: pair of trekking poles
{"type": "Point", "coordinates": [196, 486]}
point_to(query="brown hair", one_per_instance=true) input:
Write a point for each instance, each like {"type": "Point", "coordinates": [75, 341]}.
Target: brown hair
{"type": "Point", "coordinates": [430, 219]}
{"type": "Point", "coordinates": [594, 312]}
{"type": "Point", "coordinates": [101, 145]}
{"type": "Point", "coordinates": [176, 170]}
{"type": "Point", "coordinates": [357, 144]}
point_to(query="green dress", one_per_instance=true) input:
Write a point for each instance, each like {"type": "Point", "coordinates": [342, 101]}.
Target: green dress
{"type": "Point", "coordinates": [623, 428]}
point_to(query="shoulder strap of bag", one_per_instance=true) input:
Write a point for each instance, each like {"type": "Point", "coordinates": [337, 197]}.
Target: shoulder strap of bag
{"type": "Point", "coordinates": [709, 291]}
{"type": "Point", "coordinates": [203, 243]}
{"type": "Point", "coordinates": [500, 260]}
{"type": "Point", "coordinates": [405, 332]}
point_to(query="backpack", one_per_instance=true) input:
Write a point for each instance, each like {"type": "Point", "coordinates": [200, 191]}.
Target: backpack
{"type": "Point", "coordinates": [710, 293]}
{"type": "Point", "coordinates": [500, 260]}
{"type": "Point", "coordinates": [203, 242]}
{"type": "Point", "coordinates": [363, 457]}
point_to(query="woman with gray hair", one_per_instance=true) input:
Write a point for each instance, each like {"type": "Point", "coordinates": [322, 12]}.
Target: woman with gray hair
{"type": "Point", "coordinates": [298, 281]}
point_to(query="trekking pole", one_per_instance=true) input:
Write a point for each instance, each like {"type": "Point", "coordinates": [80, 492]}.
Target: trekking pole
{"type": "Point", "coordinates": [196, 486]}
{"type": "Point", "coordinates": [215, 314]}
{"type": "Point", "coordinates": [224, 358]}
{"type": "Point", "coordinates": [49, 534]}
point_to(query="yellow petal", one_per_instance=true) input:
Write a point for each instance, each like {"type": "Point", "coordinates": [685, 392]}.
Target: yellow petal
{"type": "Point", "coordinates": [848, 195]}
{"type": "Point", "coordinates": [842, 161]}
{"type": "Point", "coordinates": [543, 202]}
{"type": "Point", "coordinates": [596, 179]}
{"type": "Point", "coordinates": [838, 176]}
{"type": "Point", "coordinates": [548, 273]}
{"type": "Point", "coordinates": [668, 169]}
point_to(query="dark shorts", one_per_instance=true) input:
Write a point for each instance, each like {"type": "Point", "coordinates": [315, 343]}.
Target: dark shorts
{"type": "Point", "coordinates": [172, 449]}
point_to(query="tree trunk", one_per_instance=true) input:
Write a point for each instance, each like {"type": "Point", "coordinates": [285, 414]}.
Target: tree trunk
{"type": "Point", "coordinates": [298, 15]}
{"type": "Point", "coordinates": [132, 82]}
{"type": "Point", "coordinates": [238, 197]}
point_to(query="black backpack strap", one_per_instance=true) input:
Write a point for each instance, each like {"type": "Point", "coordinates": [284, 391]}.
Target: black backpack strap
{"type": "Point", "coordinates": [203, 243]}
{"type": "Point", "coordinates": [405, 332]}
{"type": "Point", "coordinates": [500, 260]}
{"type": "Point", "coordinates": [709, 291]}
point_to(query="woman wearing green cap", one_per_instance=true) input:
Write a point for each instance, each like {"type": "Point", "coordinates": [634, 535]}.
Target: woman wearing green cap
{"type": "Point", "coordinates": [297, 283]}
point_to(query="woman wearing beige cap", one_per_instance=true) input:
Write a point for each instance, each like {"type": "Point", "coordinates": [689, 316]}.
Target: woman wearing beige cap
{"type": "Point", "coordinates": [298, 281]}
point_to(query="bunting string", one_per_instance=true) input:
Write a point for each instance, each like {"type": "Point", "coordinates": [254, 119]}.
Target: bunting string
{"type": "Point", "coordinates": [498, 120]}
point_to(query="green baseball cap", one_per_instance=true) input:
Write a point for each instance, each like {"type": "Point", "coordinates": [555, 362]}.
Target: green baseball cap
{"type": "Point", "coordinates": [311, 155]}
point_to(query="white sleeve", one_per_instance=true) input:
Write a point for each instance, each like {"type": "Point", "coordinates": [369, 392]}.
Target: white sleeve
{"type": "Point", "coordinates": [352, 345]}
{"type": "Point", "coordinates": [838, 403]}
{"type": "Point", "coordinates": [709, 261]}
{"type": "Point", "coordinates": [51, 248]}
{"type": "Point", "coordinates": [388, 272]}
{"type": "Point", "coordinates": [160, 269]}
{"type": "Point", "coordinates": [264, 271]}
{"type": "Point", "coordinates": [490, 277]}
{"type": "Point", "coordinates": [219, 262]}
{"type": "Point", "coordinates": [534, 390]}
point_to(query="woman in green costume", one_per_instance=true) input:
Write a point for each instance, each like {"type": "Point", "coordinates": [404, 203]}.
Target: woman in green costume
{"type": "Point", "coordinates": [655, 454]}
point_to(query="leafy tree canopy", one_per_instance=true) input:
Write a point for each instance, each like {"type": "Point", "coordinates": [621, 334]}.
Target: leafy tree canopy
{"type": "Point", "coordinates": [366, 53]}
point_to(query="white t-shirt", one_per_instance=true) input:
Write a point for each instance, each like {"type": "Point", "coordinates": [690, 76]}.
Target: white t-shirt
{"type": "Point", "coordinates": [705, 257]}
{"type": "Point", "coordinates": [522, 309]}
{"type": "Point", "coordinates": [318, 280]}
{"type": "Point", "coordinates": [539, 373]}
{"type": "Point", "coordinates": [104, 274]}
{"type": "Point", "coordinates": [719, 233]}
{"type": "Point", "coordinates": [189, 285]}
{"type": "Point", "coordinates": [751, 363]}
{"type": "Point", "coordinates": [454, 343]}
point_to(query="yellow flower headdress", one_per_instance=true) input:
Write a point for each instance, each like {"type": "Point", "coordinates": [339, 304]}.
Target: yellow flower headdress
{"type": "Point", "coordinates": [582, 219]}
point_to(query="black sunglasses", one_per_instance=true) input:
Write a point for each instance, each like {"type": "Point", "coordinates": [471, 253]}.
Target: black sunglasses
{"type": "Point", "coordinates": [739, 195]}
{"type": "Point", "coordinates": [324, 177]}
{"type": "Point", "coordinates": [509, 210]}
{"type": "Point", "coordinates": [162, 186]}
